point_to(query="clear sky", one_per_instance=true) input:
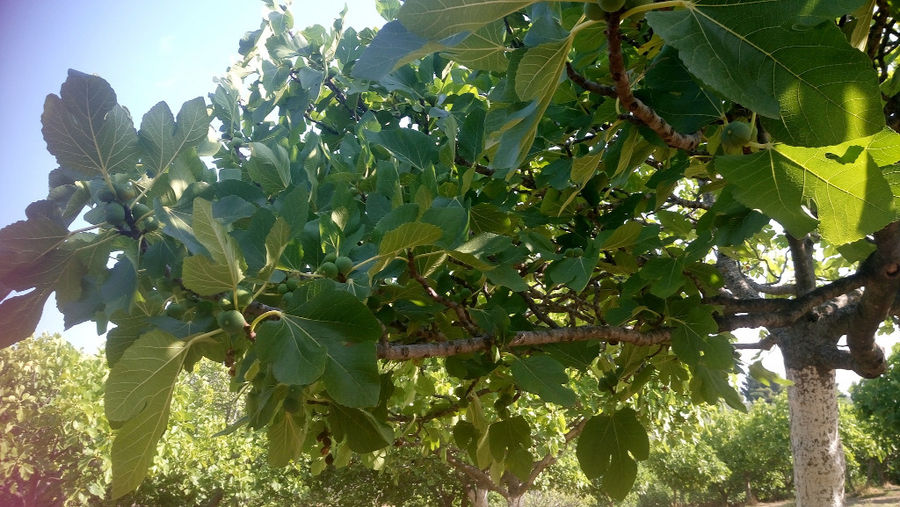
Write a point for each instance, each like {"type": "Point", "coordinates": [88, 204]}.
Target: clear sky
{"type": "Point", "coordinates": [148, 51]}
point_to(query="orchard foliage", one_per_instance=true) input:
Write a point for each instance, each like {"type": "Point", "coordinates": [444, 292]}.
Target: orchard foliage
{"type": "Point", "coordinates": [398, 237]}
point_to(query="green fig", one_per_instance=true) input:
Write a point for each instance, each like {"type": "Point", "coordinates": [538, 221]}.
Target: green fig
{"type": "Point", "coordinates": [232, 321]}
{"type": "Point", "coordinates": [344, 264]}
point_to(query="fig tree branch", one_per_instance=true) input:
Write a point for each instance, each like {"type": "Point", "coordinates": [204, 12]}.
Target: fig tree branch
{"type": "Point", "coordinates": [635, 106]}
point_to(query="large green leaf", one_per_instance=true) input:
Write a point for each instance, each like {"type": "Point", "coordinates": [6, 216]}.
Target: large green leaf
{"type": "Point", "coordinates": [608, 447]}
{"type": "Point", "coordinates": [408, 145]}
{"type": "Point", "coordinates": [149, 366]}
{"type": "Point", "coordinates": [392, 47]}
{"type": "Point", "coordinates": [135, 443]}
{"type": "Point", "coordinates": [819, 90]}
{"type": "Point", "coordinates": [86, 130]}
{"type": "Point", "coordinates": [438, 19]}
{"type": "Point", "coordinates": [541, 68]}
{"type": "Point", "coordinates": [161, 139]}
{"type": "Point", "coordinates": [286, 434]}
{"type": "Point", "coordinates": [139, 392]}
{"type": "Point", "coordinates": [331, 337]}
{"type": "Point", "coordinates": [484, 49]}
{"type": "Point", "coordinates": [215, 238]}
{"type": "Point", "coordinates": [361, 430]}
{"type": "Point", "coordinates": [545, 377]}
{"type": "Point", "coordinates": [409, 235]}
{"type": "Point", "coordinates": [206, 277]}
{"type": "Point", "coordinates": [851, 195]}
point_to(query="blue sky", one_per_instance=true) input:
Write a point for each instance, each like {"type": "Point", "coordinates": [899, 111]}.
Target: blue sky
{"type": "Point", "coordinates": [148, 51]}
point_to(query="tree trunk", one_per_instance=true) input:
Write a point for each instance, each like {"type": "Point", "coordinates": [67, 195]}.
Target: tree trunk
{"type": "Point", "coordinates": [815, 441]}
{"type": "Point", "coordinates": [748, 490]}
{"type": "Point", "coordinates": [516, 501]}
{"type": "Point", "coordinates": [478, 497]}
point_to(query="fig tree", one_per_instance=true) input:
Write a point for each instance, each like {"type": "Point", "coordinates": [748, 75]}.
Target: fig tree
{"type": "Point", "coordinates": [232, 321]}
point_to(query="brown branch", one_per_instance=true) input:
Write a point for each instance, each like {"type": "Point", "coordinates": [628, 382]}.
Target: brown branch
{"type": "Point", "coordinates": [791, 308]}
{"type": "Point", "coordinates": [587, 84]}
{"type": "Point", "coordinates": [632, 103]}
{"type": "Point", "coordinates": [549, 459]}
{"type": "Point", "coordinates": [876, 302]}
{"type": "Point", "coordinates": [481, 478]}
{"type": "Point", "coordinates": [460, 310]}
{"type": "Point", "coordinates": [686, 203]}
{"type": "Point", "coordinates": [804, 269]}
{"type": "Point", "coordinates": [403, 352]}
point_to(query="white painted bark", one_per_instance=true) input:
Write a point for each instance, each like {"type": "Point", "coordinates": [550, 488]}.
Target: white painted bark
{"type": "Point", "coordinates": [478, 497]}
{"type": "Point", "coordinates": [815, 441]}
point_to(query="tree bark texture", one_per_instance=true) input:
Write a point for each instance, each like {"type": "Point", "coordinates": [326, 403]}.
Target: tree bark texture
{"type": "Point", "coordinates": [815, 441]}
{"type": "Point", "coordinates": [478, 497]}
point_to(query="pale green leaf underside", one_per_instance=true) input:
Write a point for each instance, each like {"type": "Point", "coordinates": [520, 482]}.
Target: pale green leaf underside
{"type": "Point", "coordinates": [213, 236]}
{"type": "Point", "coordinates": [439, 19]}
{"type": "Point", "coordinates": [147, 368]}
{"type": "Point", "coordinates": [406, 236]}
{"type": "Point", "coordinates": [540, 69]}
{"type": "Point", "coordinates": [286, 434]}
{"type": "Point", "coordinates": [483, 50]}
{"type": "Point", "coordinates": [86, 130]}
{"type": "Point", "coordinates": [206, 277]}
{"type": "Point", "coordinates": [818, 90]}
{"type": "Point", "coordinates": [161, 139]}
{"type": "Point", "coordinates": [139, 389]}
{"type": "Point", "coordinates": [852, 198]}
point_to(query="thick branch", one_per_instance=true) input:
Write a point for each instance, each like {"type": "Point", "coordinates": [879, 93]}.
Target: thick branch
{"type": "Point", "coordinates": [481, 478]}
{"type": "Point", "coordinates": [876, 302]}
{"type": "Point", "coordinates": [402, 352]}
{"type": "Point", "coordinates": [632, 103]}
{"type": "Point", "coordinates": [790, 309]}
{"type": "Point", "coordinates": [804, 269]}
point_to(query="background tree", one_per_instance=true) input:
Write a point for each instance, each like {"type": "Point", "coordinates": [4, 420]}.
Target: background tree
{"type": "Point", "coordinates": [511, 198]}
{"type": "Point", "coordinates": [875, 401]}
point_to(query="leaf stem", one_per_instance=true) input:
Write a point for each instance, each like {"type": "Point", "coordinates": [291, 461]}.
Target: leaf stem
{"type": "Point", "coordinates": [262, 317]}
{"type": "Point", "coordinates": [656, 6]}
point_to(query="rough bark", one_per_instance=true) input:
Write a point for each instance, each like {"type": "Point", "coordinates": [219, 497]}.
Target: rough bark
{"type": "Point", "coordinates": [478, 497]}
{"type": "Point", "coordinates": [815, 441]}
{"type": "Point", "coordinates": [515, 501]}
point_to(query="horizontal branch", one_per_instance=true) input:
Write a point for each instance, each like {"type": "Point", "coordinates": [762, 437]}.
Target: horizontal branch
{"type": "Point", "coordinates": [789, 310]}
{"type": "Point", "coordinates": [403, 352]}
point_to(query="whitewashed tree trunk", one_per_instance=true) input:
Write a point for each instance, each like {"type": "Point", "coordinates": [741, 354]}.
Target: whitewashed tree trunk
{"type": "Point", "coordinates": [815, 441]}
{"type": "Point", "coordinates": [478, 497]}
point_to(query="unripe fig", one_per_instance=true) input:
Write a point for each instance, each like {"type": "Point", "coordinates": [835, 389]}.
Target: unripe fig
{"type": "Point", "coordinates": [344, 264]}
{"type": "Point", "coordinates": [149, 224]}
{"type": "Point", "coordinates": [292, 283]}
{"type": "Point", "coordinates": [282, 288]}
{"type": "Point", "coordinates": [175, 310]}
{"type": "Point", "coordinates": [736, 134]}
{"type": "Point", "coordinates": [330, 258]}
{"type": "Point", "coordinates": [139, 210]}
{"type": "Point", "coordinates": [611, 5]}
{"type": "Point", "coordinates": [328, 270]}
{"type": "Point", "coordinates": [244, 297]}
{"type": "Point", "coordinates": [593, 11]}
{"type": "Point", "coordinates": [106, 194]}
{"type": "Point", "coordinates": [125, 191]}
{"type": "Point", "coordinates": [291, 405]}
{"type": "Point", "coordinates": [115, 213]}
{"type": "Point", "coordinates": [232, 321]}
